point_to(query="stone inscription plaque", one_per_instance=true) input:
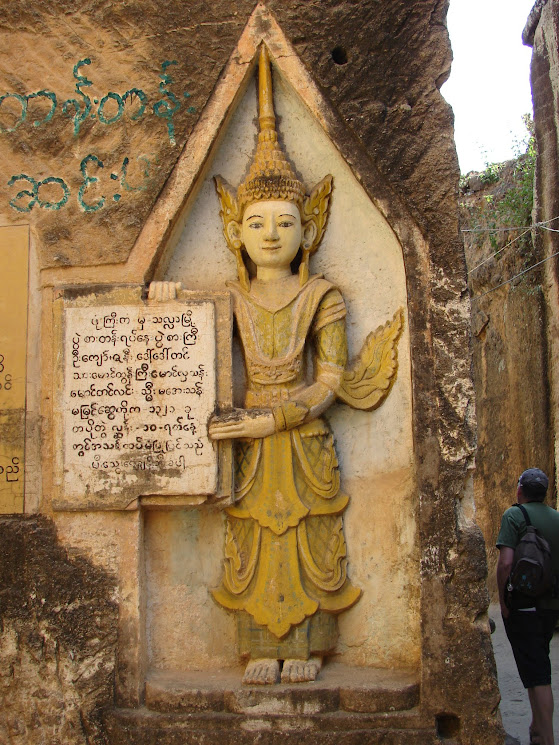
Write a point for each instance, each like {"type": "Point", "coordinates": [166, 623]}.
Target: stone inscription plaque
{"type": "Point", "coordinates": [14, 256]}
{"type": "Point", "coordinates": [139, 389]}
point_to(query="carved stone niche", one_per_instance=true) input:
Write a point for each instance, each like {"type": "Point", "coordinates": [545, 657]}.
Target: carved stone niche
{"type": "Point", "coordinates": [137, 384]}
{"type": "Point", "coordinates": [192, 662]}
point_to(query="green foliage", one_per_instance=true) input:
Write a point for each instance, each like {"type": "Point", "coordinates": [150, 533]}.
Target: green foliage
{"type": "Point", "coordinates": [491, 173]}
{"type": "Point", "coordinates": [509, 205]}
{"type": "Point", "coordinates": [515, 208]}
{"type": "Point", "coordinates": [463, 183]}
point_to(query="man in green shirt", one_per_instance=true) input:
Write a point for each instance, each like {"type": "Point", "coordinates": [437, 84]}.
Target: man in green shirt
{"type": "Point", "coordinates": [530, 630]}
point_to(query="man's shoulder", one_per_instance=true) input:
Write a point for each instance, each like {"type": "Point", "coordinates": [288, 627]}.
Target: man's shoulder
{"type": "Point", "coordinates": [546, 520]}
{"type": "Point", "coordinates": [510, 525]}
{"type": "Point", "coordinates": [543, 513]}
{"type": "Point", "coordinates": [513, 513]}
{"type": "Point", "coordinates": [539, 509]}
{"type": "Point", "coordinates": [543, 507]}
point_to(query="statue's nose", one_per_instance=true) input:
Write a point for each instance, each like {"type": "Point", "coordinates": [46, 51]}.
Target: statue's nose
{"type": "Point", "coordinates": [271, 233]}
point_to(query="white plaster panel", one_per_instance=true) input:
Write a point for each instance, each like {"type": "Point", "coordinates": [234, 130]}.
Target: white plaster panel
{"type": "Point", "coordinates": [186, 629]}
{"type": "Point", "coordinates": [139, 388]}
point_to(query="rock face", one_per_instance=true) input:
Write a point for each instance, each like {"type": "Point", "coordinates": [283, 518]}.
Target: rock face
{"type": "Point", "coordinates": [398, 50]}
{"type": "Point", "coordinates": [541, 33]}
{"type": "Point", "coordinates": [509, 341]}
{"type": "Point", "coordinates": [97, 116]}
{"type": "Point", "coordinates": [58, 619]}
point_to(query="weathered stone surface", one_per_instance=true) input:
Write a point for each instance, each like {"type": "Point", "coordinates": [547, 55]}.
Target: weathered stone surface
{"type": "Point", "coordinates": [510, 357]}
{"type": "Point", "coordinates": [126, 46]}
{"type": "Point", "coordinates": [541, 33]}
{"type": "Point", "coordinates": [57, 647]}
{"type": "Point", "coordinates": [142, 727]}
{"type": "Point", "coordinates": [398, 50]}
{"type": "Point", "coordinates": [532, 22]}
{"type": "Point", "coordinates": [338, 688]}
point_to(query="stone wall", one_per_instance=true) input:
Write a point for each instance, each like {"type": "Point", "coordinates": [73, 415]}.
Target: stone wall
{"type": "Point", "coordinates": [95, 169]}
{"type": "Point", "coordinates": [58, 621]}
{"type": "Point", "coordinates": [541, 33]}
{"type": "Point", "coordinates": [509, 349]}
{"type": "Point", "coordinates": [514, 323]}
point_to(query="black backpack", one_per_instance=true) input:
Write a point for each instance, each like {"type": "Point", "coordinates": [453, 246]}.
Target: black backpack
{"type": "Point", "coordinates": [532, 570]}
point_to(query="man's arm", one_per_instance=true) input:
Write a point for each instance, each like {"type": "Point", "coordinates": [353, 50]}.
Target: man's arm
{"type": "Point", "coordinates": [504, 566]}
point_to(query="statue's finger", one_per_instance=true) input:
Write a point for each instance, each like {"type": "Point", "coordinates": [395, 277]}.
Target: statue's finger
{"type": "Point", "coordinates": [222, 427]}
{"type": "Point", "coordinates": [218, 433]}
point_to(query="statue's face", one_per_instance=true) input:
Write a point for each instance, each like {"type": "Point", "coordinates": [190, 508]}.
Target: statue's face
{"type": "Point", "coordinates": [271, 232]}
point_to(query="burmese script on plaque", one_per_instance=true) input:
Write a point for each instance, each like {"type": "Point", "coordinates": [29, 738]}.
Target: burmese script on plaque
{"type": "Point", "coordinates": [14, 243]}
{"type": "Point", "coordinates": [139, 389]}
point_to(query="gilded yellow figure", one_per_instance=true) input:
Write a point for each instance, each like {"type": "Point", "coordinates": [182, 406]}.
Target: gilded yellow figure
{"type": "Point", "coordinates": [285, 553]}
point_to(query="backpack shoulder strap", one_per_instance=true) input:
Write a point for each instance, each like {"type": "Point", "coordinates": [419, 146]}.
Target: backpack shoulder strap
{"type": "Point", "coordinates": [524, 512]}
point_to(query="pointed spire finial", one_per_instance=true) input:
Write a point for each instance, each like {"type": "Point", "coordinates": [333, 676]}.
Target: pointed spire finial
{"type": "Point", "coordinates": [267, 117]}
{"type": "Point", "coordinates": [271, 175]}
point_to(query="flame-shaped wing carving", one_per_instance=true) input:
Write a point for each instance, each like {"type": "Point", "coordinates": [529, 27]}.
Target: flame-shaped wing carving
{"type": "Point", "coordinates": [229, 207]}
{"type": "Point", "coordinates": [368, 380]}
{"type": "Point", "coordinates": [315, 209]}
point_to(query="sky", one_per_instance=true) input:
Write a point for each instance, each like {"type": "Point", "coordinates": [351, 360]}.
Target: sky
{"type": "Point", "coordinates": [489, 84]}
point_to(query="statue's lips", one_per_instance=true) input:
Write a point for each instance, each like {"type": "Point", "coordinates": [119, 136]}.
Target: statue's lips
{"type": "Point", "coordinates": [271, 248]}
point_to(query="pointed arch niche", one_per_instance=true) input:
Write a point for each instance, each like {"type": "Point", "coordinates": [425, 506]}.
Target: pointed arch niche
{"type": "Point", "coordinates": [363, 256]}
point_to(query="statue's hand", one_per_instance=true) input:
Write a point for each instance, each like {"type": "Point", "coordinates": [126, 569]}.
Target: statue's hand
{"type": "Point", "coordinates": [163, 291]}
{"type": "Point", "coordinates": [242, 423]}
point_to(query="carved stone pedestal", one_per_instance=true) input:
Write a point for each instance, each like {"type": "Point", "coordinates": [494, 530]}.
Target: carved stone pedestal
{"type": "Point", "coordinates": [345, 705]}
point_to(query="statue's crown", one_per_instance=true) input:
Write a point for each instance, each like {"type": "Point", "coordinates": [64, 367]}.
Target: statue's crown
{"type": "Point", "coordinates": [271, 175]}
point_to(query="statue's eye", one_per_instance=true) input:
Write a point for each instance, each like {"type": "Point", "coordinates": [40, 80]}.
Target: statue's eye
{"type": "Point", "coordinates": [255, 225]}
{"type": "Point", "coordinates": [285, 224]}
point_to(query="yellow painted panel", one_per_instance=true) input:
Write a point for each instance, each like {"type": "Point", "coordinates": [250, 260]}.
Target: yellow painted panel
{"type": "Point", "coordinates": [14, 261]}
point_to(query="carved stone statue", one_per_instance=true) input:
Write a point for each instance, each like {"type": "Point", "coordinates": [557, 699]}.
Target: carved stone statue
{"type": "Point", "coordinates": [285, 568]}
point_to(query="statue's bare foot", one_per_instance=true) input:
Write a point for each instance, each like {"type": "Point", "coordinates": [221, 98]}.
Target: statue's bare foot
{"type": "Point", "coordinates": [261, 672]}
{"type": "Point", "coordinates": [301, 671]}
